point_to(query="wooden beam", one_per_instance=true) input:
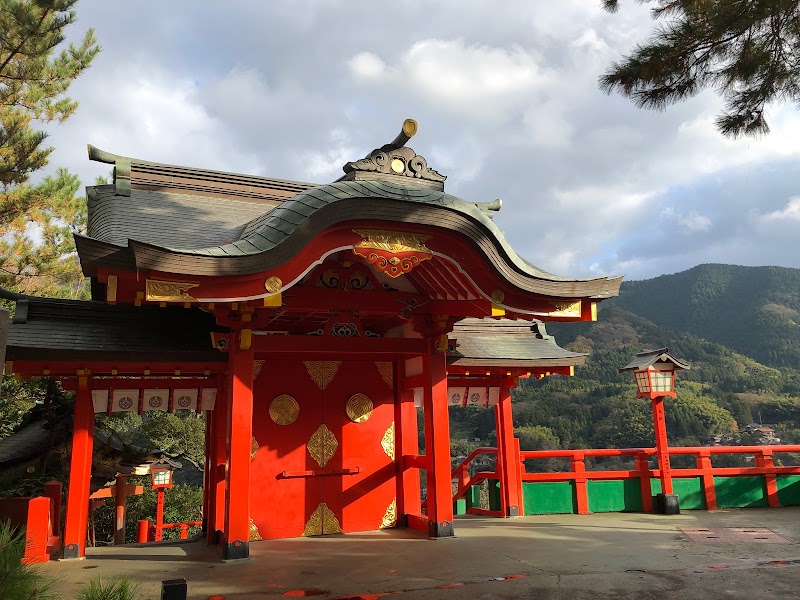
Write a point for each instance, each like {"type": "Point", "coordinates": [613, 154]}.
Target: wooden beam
{"type": "Point", "coordinates": [306, 344]}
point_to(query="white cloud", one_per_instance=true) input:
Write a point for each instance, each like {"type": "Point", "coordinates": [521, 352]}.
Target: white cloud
{"type": "Point", "coordinates": [366, 65]}
{"type": "Point", "coordinates": [791, 212]}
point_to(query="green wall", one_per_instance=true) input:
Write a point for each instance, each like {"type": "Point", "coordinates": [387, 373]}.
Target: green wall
{"type": "Point", "coordinates": [740, 492]}
{"type": "Point", "coordinates": [619, 495]}
{"type": "Point", "coordinates": [789, 490]}
{"type": "Point", "coordinates": [548, 498]}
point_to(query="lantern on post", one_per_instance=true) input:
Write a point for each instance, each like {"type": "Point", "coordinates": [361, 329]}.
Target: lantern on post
{"type": "Point", "coordinates": [654, 372]}
{"type": "Point", "coordinates": [161, 476]}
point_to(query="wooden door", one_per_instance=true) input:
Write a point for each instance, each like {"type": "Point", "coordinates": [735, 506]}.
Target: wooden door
{"type": "Point", "coordinates": [323, 448]}
{"type": "Point", "coordinates": [358, 408]}
{"type": "Point", "coordinates": [287, 412]}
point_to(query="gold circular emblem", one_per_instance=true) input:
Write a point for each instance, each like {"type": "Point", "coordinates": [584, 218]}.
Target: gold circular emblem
{"type": "Point", "coordinates": [273, 285]}
{"type": "Point", "coordinates": [398, 166]}
{"type": "Point", "coordinates": [498, 296]}
{"type": "Point", "coordinates": [359, 408]}
{"type": "Point", "coordinates": [284, 410]}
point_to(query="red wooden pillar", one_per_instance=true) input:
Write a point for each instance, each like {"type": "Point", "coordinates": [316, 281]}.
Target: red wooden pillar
{"type": "Point", "coordinates": [437, 444]}
{"type": "Point", "coordinates": [119, 510]}
{"type": "Point", "coordinates": [581, 484]}
{"type": "Point", "coordinates": [707, 478]}
{"type": "Point", "coordinates": [240, 433]}
{"type": "Point", "coordinates": [765, 461]}
{"type": "Point", "coordinates": [159, 514]}
{"type": "Point", "coordinates": [508, 467]}
{"type": "Point", "coordinates": [407, 444]}
{"type": "Point", "coordinates": [520, 470]}
{"type": "Point", "coordinates": [643, 468]}
{"type": "Point", "coordinates": [662, 448]}
{"type": "Point", "coordinates": [206, 470]}
{"type": "Point", "coordinates": [80, 474]}
{"type": "Point", "coordinates": [217, 455]}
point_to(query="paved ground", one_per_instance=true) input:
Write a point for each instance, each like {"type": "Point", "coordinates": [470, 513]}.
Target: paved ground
{"type": "Point", "coordinates": [620, 556]}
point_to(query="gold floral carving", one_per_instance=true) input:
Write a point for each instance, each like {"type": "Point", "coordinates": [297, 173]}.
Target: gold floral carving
{"type": "Point", "coordinates": [566, 309]}
{"type": "Point", "coordinates": [284, 410]}
{"type": "Point", "coordinates": [393, 241]}
{"type": "Point", "coordinates": [387, 441]}
{"type": "Point", "coordinates": [322, 521]}
{"type": "Point", "coordinates": [359, 408]}
{"type": "Point", "coordinates": [387, 372]}
{"type": "Point", "coordinates": [254, 534]}
{"type": "Point", "coordinates": [273, 285]}
{"type": "Point", "coordinates": [390, 516]}
{"type": "Point", "coordinates": [322, 371]}
{"type": "Point", "coordinates": [253, 447]}
{"type": "Point", "coordinates": [257, 366]}
{"type": "Point", "coordinates": [169, 291]}
{"type": "Point", "coordinates": [322, 445]}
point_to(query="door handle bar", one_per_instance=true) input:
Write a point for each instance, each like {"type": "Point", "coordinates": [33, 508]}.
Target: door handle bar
{"type": "Point", "coordinates": [319, 473]}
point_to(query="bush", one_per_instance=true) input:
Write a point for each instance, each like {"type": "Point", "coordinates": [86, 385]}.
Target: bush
{"type": "Point", "coordinates": [18, 581]}
{"type": "Point", "coordinates": [113, 589]}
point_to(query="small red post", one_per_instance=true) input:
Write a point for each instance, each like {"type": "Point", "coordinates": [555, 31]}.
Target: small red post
{"type": "Point", "coordinates": [80, 473]}
{"type": "Point", "coordinates": [643, 468]}
{"type": "Point", "coordinates": [662, 447]}
{"type": "Point", "coordinates": [765, 461]}
{"type": "Point", "coordinates": [184, 531]}
{"type": "Point", "coordinates": [159, 514]}
{"type": "Point", "coordinates": [707, 478]}
{"type": "Point", "coordinates": [142, 531]}
{"type": "Point", "coordinates": [216, 494]}
{"type": "Point", "coordinates": [37, 531]}
{"type": "Point", "coordinates": [437, 443]}
{"type": "Point", "coordinates": [581, 491]}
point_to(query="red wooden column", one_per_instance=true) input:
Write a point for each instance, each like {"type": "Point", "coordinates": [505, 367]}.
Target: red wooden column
{"type": "Point", "coordinates": [407, 444]}
{"type": "Point", "coordinates": [662, 448]}
{"type": "Point", "coordinates": [80, 473]}
{"type": "Point", "coordinates": [707, 477]}
{"type": "Point", "coordinates": [207, 469]}
{"type": "Point", "coordinates": [217, 456]}
{"type": "Point", "coordinates": [240, 433]}
{"type": "Point", "coordinates": [506, 458]}
{"type": "Point", "coordinates": [437, 444]}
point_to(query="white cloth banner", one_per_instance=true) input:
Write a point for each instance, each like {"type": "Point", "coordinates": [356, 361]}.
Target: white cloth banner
{"type": "Point", "coordinates": [185, 399]}
{"type": "Point", "coordinates": [125, 401]}
{"type": "Point", "coordinates": [209, 398]}
{"type": "Point", "coordinates": [156, 399]}
{"type": "Point", "coordinates": [418, 397]}
{"type": "Point", "coordinates": [457, 395]}
{"type": "Point", "coordinates": [494, 396]}
{"type": "Point", "coordinates": [477, 396]}
{"type": "Point", "coordinates": [100, 400]}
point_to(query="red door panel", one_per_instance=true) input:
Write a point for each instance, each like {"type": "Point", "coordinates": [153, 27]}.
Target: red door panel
{"type": "Point", "coordinates": [361, 497]}
{"type": "Point", "coordinates": [283, 495]}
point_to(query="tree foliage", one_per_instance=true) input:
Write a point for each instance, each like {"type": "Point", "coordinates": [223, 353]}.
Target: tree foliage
{"type": "Point", "coordinates": [745, 50]}
{"type": "Point", "coordinates": [36, 218]}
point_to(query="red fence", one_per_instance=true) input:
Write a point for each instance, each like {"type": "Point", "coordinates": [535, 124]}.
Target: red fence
{"type": "Point", "coordinates": [40, 517]}
{"type": "Point", "coordinates": [764, 467]}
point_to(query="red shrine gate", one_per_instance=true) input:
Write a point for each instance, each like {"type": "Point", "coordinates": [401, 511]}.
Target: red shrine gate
{"type": "Point", "coordinates": [323, 448]}
{"type": "Point", "coordinates": [309, 322]}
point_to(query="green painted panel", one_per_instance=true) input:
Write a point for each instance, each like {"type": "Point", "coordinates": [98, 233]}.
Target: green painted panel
{"type": "Point", "coordinates": [494, 494]}
{"type": "Point", "coordinates": [460, 507]}
{"type": "Point", "coordinates": [740, 492]}
{"type": "Point", "coordinates": [789, 490]}
{"type": "Point", "coordinates": [473, 496]}
{"type": "Point", "coordinates": [614, 496]}
{"type": "Point", "coordinates": [548, 498]}
{"type": "Point", "coordinates": [690, 493]}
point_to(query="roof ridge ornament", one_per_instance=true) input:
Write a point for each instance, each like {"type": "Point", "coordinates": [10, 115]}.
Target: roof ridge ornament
{"type": "Point", "coordinates": [394, 161]}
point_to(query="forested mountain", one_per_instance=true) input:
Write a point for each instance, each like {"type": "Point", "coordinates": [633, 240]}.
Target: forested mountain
{"type": "Point", "coordinates": [753, 310]}
{"type": "Point", "coordinates": [736, 326]}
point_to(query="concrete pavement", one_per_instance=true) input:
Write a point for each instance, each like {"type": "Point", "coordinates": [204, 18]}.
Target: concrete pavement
{"type": "Point", "coordinates": [614, 555]}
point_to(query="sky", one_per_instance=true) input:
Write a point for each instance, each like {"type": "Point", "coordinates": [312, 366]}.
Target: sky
{"type": "Point", "coordinates": [507, 102]}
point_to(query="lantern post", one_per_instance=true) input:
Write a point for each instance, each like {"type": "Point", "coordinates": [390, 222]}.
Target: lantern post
{"type": "Point", "coordinates": [161, 481]}
{"type": "Point", "coordinates": [654, 372]}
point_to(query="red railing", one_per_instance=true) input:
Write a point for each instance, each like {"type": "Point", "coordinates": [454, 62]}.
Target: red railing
{"type": "Point", "coordinates": [763, 457]}
{"type": "Point", "coordinates": [146, 530]}
{"type": "Point", "coordinates": [466, 481]}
